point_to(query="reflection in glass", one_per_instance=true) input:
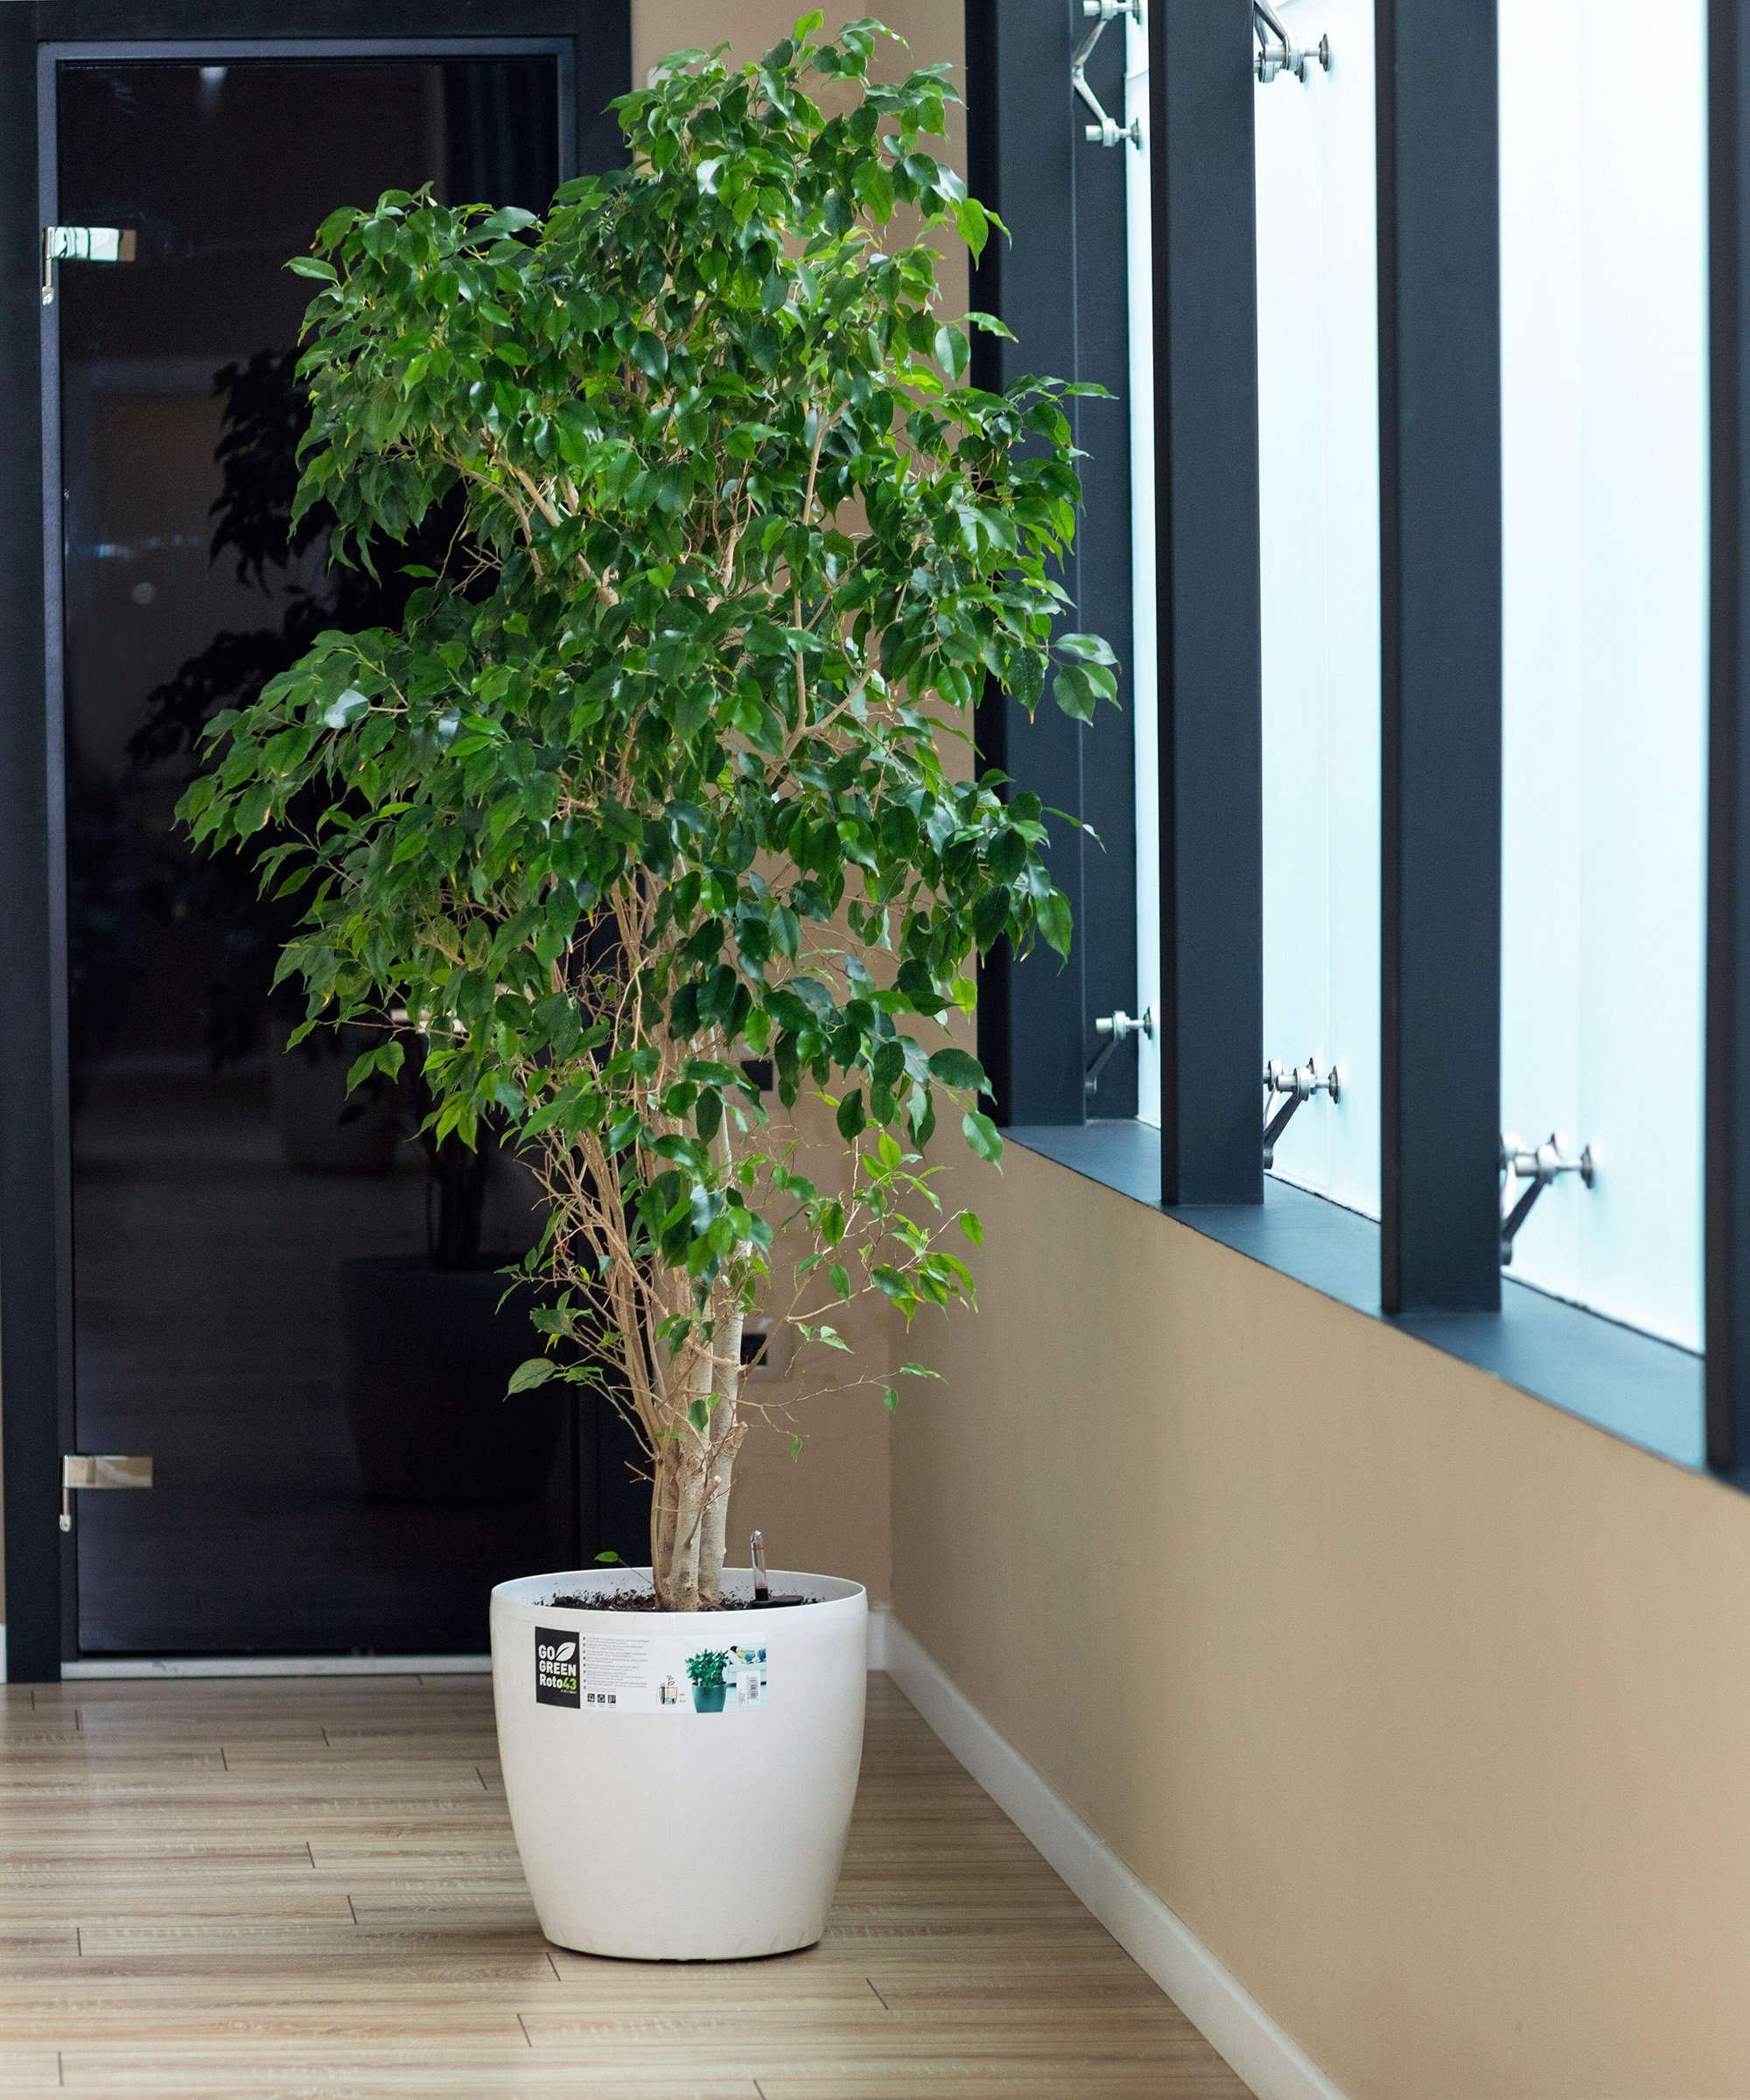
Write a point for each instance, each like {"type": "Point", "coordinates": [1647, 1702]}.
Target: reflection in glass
{"type": "Point", "coordinates": [222, 1182]}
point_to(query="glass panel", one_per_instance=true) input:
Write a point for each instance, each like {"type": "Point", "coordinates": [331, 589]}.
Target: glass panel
{"type": "Point", "coordinates": [1318, 511]}
{"type": "Point", "coordinates": [1604, 413]}
{"type": "Point", "coordinates": [1144, 645]}
{"type": "Point", "coordinates": [220, 1181]}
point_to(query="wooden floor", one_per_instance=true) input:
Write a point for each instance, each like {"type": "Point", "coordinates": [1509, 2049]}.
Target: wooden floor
{"type": "Point", "coordinates": [291, 1886]}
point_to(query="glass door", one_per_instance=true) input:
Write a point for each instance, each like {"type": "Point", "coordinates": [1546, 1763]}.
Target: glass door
{"type": "Point", "coordinates": [255, 1305]}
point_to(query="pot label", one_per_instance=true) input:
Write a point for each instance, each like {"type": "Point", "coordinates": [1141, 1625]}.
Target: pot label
{"type": "Point", "coordinates": [556, 1674]}
{"type": "Point", "coordinates": [651, 1673]}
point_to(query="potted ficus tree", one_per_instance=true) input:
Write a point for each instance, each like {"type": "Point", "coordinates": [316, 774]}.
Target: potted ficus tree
{"type": "Point", "coordinates": [679, 793]}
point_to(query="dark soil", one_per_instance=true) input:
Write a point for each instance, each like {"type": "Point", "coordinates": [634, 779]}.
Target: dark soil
{"type": "Point", "coordinates": [644, 1600]}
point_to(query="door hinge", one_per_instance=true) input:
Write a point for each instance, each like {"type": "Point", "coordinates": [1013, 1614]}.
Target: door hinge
{"type": "Point", "coordinates": [81, 1470]}
{"type": "Point", "coordinates": [84, 244]}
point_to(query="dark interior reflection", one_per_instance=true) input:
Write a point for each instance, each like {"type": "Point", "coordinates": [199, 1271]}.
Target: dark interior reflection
{"type": "Point", "coordinates": [220, 1181]}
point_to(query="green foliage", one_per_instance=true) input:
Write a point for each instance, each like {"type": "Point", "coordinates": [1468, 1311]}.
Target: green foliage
{"type": "Point", "coordinates": [706, 1668]}
{"type": "Point", "coordinates": [673, 794]}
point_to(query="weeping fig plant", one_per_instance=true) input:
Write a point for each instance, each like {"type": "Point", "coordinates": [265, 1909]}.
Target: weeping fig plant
{"type": "Point", "coordinates": [673, 794]}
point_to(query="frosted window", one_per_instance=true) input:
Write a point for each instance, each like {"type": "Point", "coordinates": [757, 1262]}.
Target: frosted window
{"type": "Point", "coordinates": [1603, 147]}
{"type": "Point", "coordinates": [1140, 264]}
{"type": "Point", "coordinates": [1319, 507]}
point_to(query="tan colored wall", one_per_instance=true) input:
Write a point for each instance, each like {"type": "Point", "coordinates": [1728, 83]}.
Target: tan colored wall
{"type": "Point", "coordinates": [1426, 1706]}
{"type": "Point", "coordinates": [830, 1508]}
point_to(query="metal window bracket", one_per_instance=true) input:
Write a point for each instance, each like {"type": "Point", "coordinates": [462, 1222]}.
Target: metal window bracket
{"type": "Point", "coordinates": [1283, 56]}
{"type": "Point", "coordinates": [1293, 1087]}
{"type": "Point", "coordinates": [84, 244]}
{"type": "Point", "coordinates": [1105, 130]}
{"type": "Point", "coordinates": [1117, 1028]}
{"type": "Point", "coordinates": [1538, 1167]}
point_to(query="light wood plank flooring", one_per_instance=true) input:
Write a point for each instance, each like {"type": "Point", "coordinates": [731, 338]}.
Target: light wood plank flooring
{"type": "Point", "coordinates": [292, 1886]}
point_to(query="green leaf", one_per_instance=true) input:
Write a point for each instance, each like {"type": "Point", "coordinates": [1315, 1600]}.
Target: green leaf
{"type": "Point", "coordinates": [890, 1398]}
{"type": "Point", "coordinates": [955, 1068]}
{"type": "Point", "coordinates": [609, 1559]}
{"type": "Point", "coordinates": [536, 1371]}
{"type": "Point", "coordinates": [951, 353]}
{"type": "Point", "coordinates": [252, 807]}
{"type": "Point", "coordinates": [974, 226]}
{"type": "Point", "coordinates": [981, 1135]}
{"type": "Point", "coordinates": [851, 1118]}
{"type": "Point", "coordinates": [674, 490]}
{"type": "Point", "coordinates": [1055, 920]}
{"type": "Point", "coordinates": [1086, 649]}
{"type": "Point", "coordinates": [1072, 693]}
{"type": "Point", "coordinates": [346, 709]}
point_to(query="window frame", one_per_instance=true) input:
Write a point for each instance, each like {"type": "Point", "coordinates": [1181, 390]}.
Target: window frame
{"type": "Point", "coordinates": [1431, 1266]}
{"type": "Point", "coordinates": [1726, 1201]}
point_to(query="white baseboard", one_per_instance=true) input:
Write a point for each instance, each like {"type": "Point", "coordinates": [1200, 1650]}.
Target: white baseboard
{"type": "Point", "coordinates": [878, 1616]}
{"type": "Point", "coordinates": [286, 1666]}
{"type": "Point", "coordinates": [1271, 2061]}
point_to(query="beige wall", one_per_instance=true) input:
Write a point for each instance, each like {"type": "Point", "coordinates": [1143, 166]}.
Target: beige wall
{"type": "Point", "coordinates": [829, 1508]}
{"type": "Point", "coordinates": [1426, 1706]}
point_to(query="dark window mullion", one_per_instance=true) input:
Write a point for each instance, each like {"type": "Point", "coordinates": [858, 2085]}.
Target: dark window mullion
{"type": "Point", "coordinates": [1022, 158]}
{"type": "Point", "coordinates": [1210, 1028]}
{"type": "Point", "coordinates": [1440, 594]}
{"type": "Point", "coordinates": [1726, 1208]}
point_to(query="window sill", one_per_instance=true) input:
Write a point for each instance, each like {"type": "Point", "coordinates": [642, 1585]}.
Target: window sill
{"type": "Point", "coordinates": [1646, 1391]}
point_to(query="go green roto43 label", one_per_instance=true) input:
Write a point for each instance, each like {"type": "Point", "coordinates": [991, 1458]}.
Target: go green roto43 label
{"type": "Point", "coordinates": [647, 1673]}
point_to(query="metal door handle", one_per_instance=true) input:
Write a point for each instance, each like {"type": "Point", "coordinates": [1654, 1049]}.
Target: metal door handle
{"type": "Point", "coordinates": [84, 244]}
{"type": "Point", "coordinates": [90, 1469]}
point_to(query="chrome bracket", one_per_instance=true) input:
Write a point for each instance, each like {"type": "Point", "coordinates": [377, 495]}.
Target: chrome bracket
{"type": "Point", "coordinates": [81, 1470]}
{"type": "Point", "coordinates": [1117, 1028]}
{"type": "Point", "coordinates": [84, 244]}
{"type": "Point", "coordinates": [1105, 130]}
{"type": "Point", "coordinates": [1292, 1086]}
{"type": "Point", "coordinates": [1283, 56]}
{"type": "Point", "coordinates": [1536, 1166]}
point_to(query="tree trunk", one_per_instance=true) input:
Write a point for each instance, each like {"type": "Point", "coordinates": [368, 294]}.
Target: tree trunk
{"type": "Point", "coordinates": [683, 1471]}
{"type": "Point", "coordinates": [689, 1500]}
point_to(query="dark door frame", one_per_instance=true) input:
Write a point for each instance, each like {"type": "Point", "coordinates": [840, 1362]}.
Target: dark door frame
{"type": "Point", "coordinates": [592, 41]}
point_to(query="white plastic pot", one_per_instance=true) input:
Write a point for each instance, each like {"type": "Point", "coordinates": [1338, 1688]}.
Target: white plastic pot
{"type": "Point", "coordinates": [653, 1823]}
